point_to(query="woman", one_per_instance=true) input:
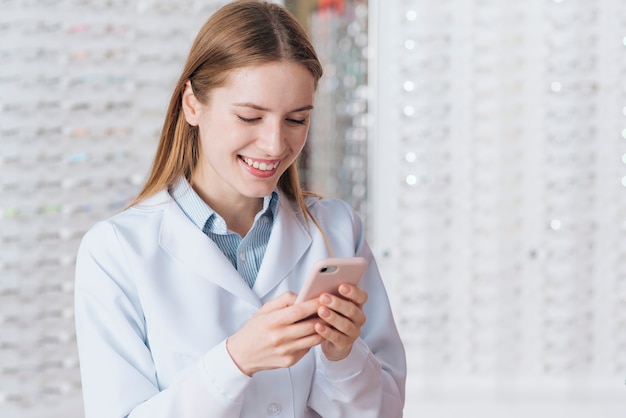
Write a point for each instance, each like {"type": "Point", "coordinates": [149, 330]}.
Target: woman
{"type": "Point", "coordinates": [185, 301]}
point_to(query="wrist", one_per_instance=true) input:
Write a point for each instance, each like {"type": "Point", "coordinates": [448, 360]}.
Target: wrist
{"type": "Point", "coordinates": [235, 357]}
{"type": "Point", "coordinates": [334, 355]}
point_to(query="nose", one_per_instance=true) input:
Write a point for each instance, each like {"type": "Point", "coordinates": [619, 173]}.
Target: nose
{"type": "Point", "coordinates": [271, 138]}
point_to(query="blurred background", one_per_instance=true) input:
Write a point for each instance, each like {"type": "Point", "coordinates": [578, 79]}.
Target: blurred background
{"type": "Point", "coordinates": [483, 142]}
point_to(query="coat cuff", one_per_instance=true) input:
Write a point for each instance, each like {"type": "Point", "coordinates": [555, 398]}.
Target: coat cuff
{"type": "Point", "coordinates": [351, 366]}
{"type": "Point", "coordinates": [222, 375]}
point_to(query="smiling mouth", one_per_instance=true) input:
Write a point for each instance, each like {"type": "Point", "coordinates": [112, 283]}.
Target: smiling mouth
{"type": "Point", "coordinates": [260, 165]}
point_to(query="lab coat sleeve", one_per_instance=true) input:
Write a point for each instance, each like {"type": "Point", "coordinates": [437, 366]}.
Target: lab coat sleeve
{"type": "Point", "coordinates": [354, 387]}
{"type": "Point", "coordinates": [370, 382]}
{"type": "Point", "coordinates": [118, 374]}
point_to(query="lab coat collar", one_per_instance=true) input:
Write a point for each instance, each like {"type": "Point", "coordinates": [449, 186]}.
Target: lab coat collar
{"type": "Point", "coordinates": [288, 243]}
{"type": "Point", "coordinates": [185, 242]}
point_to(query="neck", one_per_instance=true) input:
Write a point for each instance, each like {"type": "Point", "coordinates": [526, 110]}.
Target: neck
{"type": "Point", "coordinates": [238, 214]}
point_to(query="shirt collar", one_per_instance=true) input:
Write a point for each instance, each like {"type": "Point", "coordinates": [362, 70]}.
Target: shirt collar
{"type": "Point", "coordinates": [203, 216]}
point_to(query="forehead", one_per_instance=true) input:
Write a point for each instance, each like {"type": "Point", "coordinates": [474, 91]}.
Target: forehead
{"type": "Point", "coordinates": [274, 82]}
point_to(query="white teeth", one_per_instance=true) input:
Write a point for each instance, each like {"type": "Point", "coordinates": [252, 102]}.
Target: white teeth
{"type": "Point", "coordinates": [261, 166]}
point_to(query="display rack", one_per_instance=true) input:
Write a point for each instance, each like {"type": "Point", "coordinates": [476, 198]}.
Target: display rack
{"type": "Point", "coordinates": [337, 157]}
{"type": "Point", "coordinates": [83, 90]}
{"type": "Point", "coordinates": [499, 201]}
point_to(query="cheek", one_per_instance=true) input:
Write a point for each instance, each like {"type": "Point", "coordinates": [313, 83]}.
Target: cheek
{"type": "Point", "coordinates": [298, 142]}
{"type": "Point", "coordinates": [215, 136]}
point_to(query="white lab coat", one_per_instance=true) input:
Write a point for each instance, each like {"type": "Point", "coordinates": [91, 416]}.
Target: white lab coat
{"type": "Point", "coordinates": [156, 299]}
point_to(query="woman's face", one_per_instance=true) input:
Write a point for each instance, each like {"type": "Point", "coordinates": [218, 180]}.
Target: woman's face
{"type": "Point", "coordinates": [251, 130]}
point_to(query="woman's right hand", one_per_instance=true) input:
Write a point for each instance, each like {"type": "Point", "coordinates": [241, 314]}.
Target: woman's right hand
{"type": "Point", "coordinates": [278, 335]}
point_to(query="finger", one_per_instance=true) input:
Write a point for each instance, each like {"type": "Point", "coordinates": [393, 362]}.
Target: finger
{"type": "Point", "coordinates": [284, 300]}
{"type": "Point", "coordinates": [292, 352]}
{"type": "Point", "coordinates": [345, 308]}
{"type": "Point", "coordinates": [295, 337]}
{"type": "Point", "coordinates": [353, 293]}
{"type": "Point", "coordinates": [333, 336]}
{"type": "Point", "coordinates": [300, 329]}
{"type": "Point", "coordinates": [298, 312]}
{"type": "Point", "coordinates": [307, 342]}
{"type": "Point", "coordinates": [340, 323]}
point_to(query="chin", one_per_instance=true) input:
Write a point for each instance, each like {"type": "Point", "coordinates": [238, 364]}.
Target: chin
{"type": "Point", "coordinates": [259, 192]}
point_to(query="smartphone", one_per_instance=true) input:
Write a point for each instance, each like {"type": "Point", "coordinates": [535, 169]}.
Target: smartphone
{"type": "Point", "coordinates": [327, 274]}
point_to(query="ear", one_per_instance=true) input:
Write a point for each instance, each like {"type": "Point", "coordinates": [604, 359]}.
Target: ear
{"type": "Point", "coordinates": [191, 105]}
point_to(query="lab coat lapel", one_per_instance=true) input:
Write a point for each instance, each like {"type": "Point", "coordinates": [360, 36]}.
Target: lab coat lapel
{"type": "Point", "coordinates": [185, 242]}
{"type": "Point", "coordinates": [288, 242]}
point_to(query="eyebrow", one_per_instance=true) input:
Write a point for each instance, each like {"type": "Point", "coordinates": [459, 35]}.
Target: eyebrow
{"type": "Point", "coordinates": [264, 109]}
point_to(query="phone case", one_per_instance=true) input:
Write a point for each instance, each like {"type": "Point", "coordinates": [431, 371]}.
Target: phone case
{"type": "Point", "coordinates": [327, 274]}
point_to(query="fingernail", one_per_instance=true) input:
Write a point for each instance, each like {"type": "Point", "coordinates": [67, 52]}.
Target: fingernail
{"type": "Point", "coordinates": [344, 289]}
{"type": "Point", "coordinates": [325, 299]}
{"type": "Point", "coordinates": [324, 313]}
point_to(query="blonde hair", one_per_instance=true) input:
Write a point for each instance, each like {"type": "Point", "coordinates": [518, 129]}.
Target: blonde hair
{"type": "Point", "coordinates": [241, 34]}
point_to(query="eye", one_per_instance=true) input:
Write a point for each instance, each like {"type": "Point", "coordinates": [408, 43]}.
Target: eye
{"type": "Point", "coordinates": [297, 121]}
{"type": "Point", "coordinates": [248, 120]}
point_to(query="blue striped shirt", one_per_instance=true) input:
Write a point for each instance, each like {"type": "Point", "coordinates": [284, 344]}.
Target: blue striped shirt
{"type": "Point", "coordinates": [245, 253]}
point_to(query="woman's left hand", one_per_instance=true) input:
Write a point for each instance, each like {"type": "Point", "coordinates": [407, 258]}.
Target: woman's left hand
{"type": "Point", "coordinates": [343, 317]}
